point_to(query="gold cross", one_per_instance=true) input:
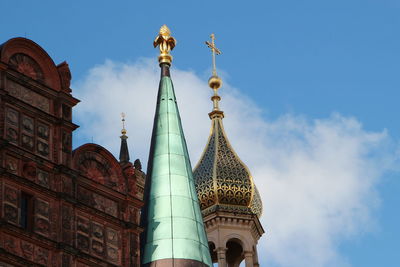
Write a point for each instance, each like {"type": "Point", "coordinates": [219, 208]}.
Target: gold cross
{"type": "Point", "coordinates": [214, 50]}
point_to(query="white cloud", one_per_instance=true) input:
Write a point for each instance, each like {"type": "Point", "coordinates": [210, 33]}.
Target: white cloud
{"type": "Point", "coordinates": [317, 177]}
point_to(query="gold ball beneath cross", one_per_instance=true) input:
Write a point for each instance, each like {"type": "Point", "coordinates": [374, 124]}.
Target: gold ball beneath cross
{"type": "Point", "coordinates": [215, 82]}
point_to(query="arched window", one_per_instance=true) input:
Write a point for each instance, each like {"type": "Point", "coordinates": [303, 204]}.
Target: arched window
{"type": "Point", "coordinates": [234, 253]}
{"type": "Point", "coordinates": [213, 252]}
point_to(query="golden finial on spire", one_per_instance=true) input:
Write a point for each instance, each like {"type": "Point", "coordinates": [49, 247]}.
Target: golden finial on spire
{"type": "Point", "coordinates": [123, 131]}
{"type": "Point", "coordinates": [166, 43]}
{"type": "Point", "coordinates": [214, 51]}
{"type": "Point", "coordinates": [214, 82]}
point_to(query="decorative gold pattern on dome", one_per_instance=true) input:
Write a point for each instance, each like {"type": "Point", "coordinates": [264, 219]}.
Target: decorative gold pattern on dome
{"type": "Point", "coordinates": [234, 184]}
{"type": "Point", "coordinates": [203, 175]}
{"type": "Point", "coordinates": [222, 179]}
{"type": "Point", "coordinates": [256, 204]}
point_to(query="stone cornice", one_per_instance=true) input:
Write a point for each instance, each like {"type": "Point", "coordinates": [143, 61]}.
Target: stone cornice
{"type": "Point", "coordinates": [231, 221]}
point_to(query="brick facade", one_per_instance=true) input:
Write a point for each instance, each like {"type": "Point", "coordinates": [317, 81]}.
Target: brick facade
{"type": "Point", "coordinates": [58, 207]}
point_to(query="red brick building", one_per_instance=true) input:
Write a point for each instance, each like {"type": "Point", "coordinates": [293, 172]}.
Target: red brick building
{"type": "Point", "coordinates": [59, 207]}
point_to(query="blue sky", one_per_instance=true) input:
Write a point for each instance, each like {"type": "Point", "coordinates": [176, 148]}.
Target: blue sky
{"type": "Point", "coordinates": [306, 59]}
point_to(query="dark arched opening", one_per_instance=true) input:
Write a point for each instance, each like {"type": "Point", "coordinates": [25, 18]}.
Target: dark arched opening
{"type": "Point", "coordinates": [213, 252]}
{"type": "Point", "coordinates": [234, 253]}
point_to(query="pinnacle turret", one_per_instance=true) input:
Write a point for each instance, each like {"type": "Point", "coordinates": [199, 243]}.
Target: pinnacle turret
{"type": "Point", "coordinates": [124, 152]}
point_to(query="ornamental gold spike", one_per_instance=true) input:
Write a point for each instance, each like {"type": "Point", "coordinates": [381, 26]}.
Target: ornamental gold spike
{"type": "Point", "coordinates": [214, 82]}
{"type": "Point", "coordinates": [166, 43]}
{"type": "Point", "coordinates": [123, 131]}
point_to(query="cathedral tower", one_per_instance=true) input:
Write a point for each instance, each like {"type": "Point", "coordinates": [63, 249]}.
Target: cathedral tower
{"type": "Point", "coordinates": [230, 203]}
{"type": "Point", "coordinates": [175, 233]}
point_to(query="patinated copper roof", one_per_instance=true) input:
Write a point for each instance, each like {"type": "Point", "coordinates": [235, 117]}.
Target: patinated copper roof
{"type": "Point", "coordinates": [175, 234]}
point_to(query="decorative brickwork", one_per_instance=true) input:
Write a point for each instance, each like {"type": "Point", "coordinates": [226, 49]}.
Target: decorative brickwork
{"type": "Point", "coordinates": [58, 207]}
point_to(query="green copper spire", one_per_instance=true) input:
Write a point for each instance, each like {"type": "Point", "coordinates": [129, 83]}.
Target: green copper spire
{"type": "Point", "coordinates": [175, 234]}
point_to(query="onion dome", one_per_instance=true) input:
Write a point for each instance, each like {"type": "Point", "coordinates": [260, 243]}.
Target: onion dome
{"type": "Point", "coordinates": [223, 182]}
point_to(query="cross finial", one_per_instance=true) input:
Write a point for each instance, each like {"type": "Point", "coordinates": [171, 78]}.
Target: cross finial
{"type": "Point", "coordinates": [214, 50]}
{"type": "Point", "coordinates": [123, 131]}
{"type": "Point", "coordinates": [214, 82]}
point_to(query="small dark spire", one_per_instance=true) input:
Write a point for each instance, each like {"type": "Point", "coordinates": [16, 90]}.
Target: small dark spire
{"type": "Point", "coordinates": [124, 152]}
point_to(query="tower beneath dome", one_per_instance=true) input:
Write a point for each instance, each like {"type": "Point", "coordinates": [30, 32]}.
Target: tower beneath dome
{"type": "Point", "coordinates": [229, 200]}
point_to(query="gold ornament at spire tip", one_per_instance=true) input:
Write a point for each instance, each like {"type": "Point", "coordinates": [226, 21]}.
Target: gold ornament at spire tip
{"type": "Point", "coordinates": [215, 51]}
{"type": "Point", "coordinates": [214, 82]}
{"type": "Point", "coordinates": [123, 131]}
{"type": "Point", "coordinates": [166, 43]}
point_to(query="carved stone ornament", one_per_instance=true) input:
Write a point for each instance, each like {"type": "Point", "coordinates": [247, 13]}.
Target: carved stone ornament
{"type": "Point", "coordinates": [41, 255]}
{"type": "Point", "coordinates": [129, 172]}
{"type": "Point", "coordinates": [12, 116]}
{"type": "Point", "coordinates": [42, 217]}
{"type": "Point", "coordinates": [65, 75]}
{"type": "Point", "coordinates": [12, 164]}
{"type": "Point", "coordinates": [83, 242]}
{"type": "Point", "coordinates": [42, 208]}
{"type": "Point", "coordinates": [27, 250]}
{"type": "Point", "coordinates": [29, 170]}
{"type": "Point", "coordinates": [97, 201]}
{"type": "Point", "coordinates": [43, 131]}
{"type": "Point", "coordinates": [27, 141]}
{"type": "Point", "coordinates": [43, 178]}
{"type": "Point", "coordinates": [10, 244]}
{"type": "Point", "coordinates": [18, 91]}
{"type": "Point", "coordinates": [11, 213]}
{"type": "Point", "coordinates": [97, 247]}
{"type": "Point", "coordinates": [12, 135]}
{"type": "Point", "coordinates": [98, 168]}
{"type": "Point", "coordinates": [112, 236]}
{"type": "Point", "coordinates": [27, 66]}
{"type": "Point", "coordinates": [83, 225]}
{"type": "Point", "coordinates": [27, 124]}
{"type": "Point", "coordinates": [43, 148]}
{"type": "Point", "coordinates": [98, 231]}
{"type": "Point", "coordinates": [112, 253]}
{"type": "Point", "coordinates": [11, 195]}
